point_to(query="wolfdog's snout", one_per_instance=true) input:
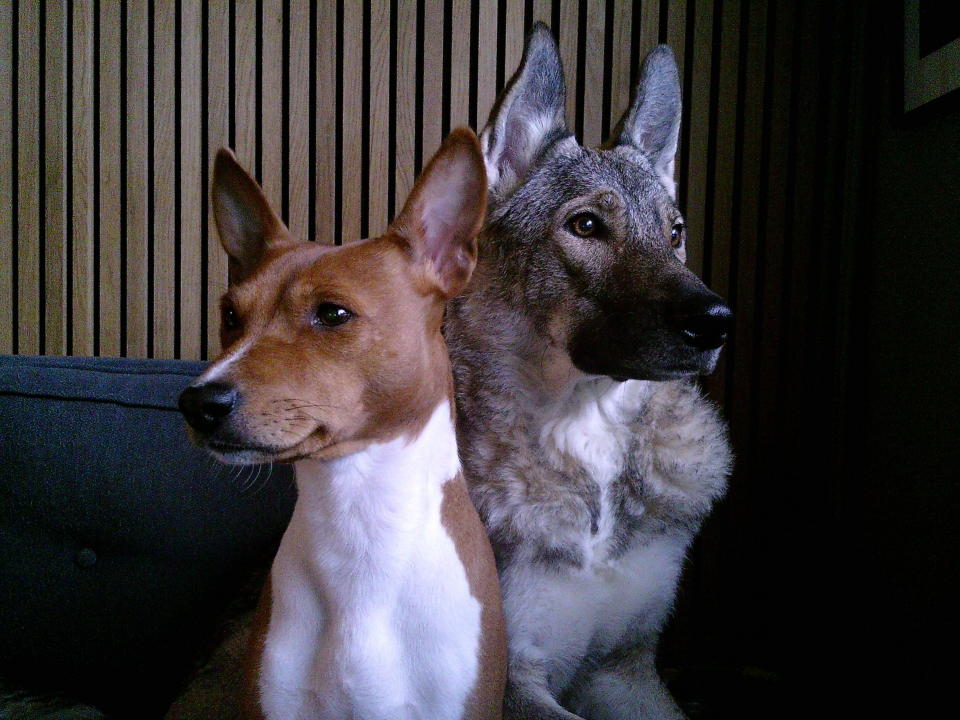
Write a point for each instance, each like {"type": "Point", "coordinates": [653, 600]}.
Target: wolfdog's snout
{"type": "Point", "coordinates": [703, 321]}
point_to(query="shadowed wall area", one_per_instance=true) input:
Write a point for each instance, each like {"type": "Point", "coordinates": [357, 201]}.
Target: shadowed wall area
{"type": "Point", "coordinates": [824, 216]}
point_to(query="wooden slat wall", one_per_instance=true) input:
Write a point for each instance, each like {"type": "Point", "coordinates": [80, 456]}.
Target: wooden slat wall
{"type": "Point", "coordinates": [111, 112]}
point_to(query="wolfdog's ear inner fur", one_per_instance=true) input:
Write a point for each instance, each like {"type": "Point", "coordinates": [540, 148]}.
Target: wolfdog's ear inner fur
{"type": "Point", "coordinates": [529, 115]}
{"type": "Point", "coordinates": [652, 122]}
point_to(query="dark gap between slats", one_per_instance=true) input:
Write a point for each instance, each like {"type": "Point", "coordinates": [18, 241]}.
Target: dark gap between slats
{"type": "Point", "coordinates": [607, 100]}
{"type": "Point", "coordinates": [365, 123]}
{"type": "Point", "coordinates": [123, 180]}
{"type": "Point", "coordinates": [527, 20]}
{"type": "Point", "coordinates": [474, 69]}
{"type": "Point", "coordinates": [635, 28]}
{"type": "Point", "coordinates": [418, 101]}
{"type": "Point", "coordinates": [687, 94]}
{"type": "Point", "coordinates": [338, 121]}
{"type": "Point", "coordinates": [312, 130]}
{"type": "Point", "coordinates": [178, 183]}
{"type": "Point", "coordinates": [96, 177]}
{"type": "Point", "coordinates": [581, 68]}
{"type": "Point", "coordinates": [151, 175]}
{"type": "Point", "coordinates": [664, 13]}
{"type": "Point", "coordinates": [392, 129]}
{"type": "Point", "coordinates": [204, 176]}
{"type": "Point", "coordinates": [232, 81]}
{"type": "Point", "coordinates": [15, 178]}
{"type": "Point", "coordinates": [285, 115]}
{"type": "Point", "coordinates": [68, 182]}
{"type": "Point", "coordinates": [555, 22]}
{"type": "Point", "coordinates": [501, 43]}
{"type": "Point", "coordinates": [258, 92]}
{"type": "Point", "coordinates": [41, 177]}
{"type": "Point", "coordinates": [447, 67]}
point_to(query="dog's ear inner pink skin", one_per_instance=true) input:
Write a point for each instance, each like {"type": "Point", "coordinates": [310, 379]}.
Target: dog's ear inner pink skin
{"type": "Point", "coordinates": [445, 211]}
{"type": "Point", "coordinates": [247, 223]}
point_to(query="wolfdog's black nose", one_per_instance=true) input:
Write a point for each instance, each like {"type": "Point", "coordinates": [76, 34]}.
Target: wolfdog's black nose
{"type": "Point", "coordinates": [205, 406]}
{"type": "Point", "coordinates": [708, 328]}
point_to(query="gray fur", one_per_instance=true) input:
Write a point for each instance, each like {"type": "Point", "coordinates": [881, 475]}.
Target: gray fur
{"type": "Point", "coordinates": [558, 334]}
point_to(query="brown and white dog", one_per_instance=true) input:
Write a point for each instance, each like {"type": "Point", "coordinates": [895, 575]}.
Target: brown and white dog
{"type": "Point", "coordinates": [383, 601]}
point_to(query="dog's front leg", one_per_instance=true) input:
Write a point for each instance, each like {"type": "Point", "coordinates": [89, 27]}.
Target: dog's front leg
{"type": "Point", "coordinates": [528, 697]}
{"type": "Point", "coordinates": [626, 686]}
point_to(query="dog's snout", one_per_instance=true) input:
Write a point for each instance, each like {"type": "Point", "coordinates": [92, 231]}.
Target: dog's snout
{"type": "Point", "coordinates": [205, 406]}
{"type": "Point", "coordinates": [706, 327]}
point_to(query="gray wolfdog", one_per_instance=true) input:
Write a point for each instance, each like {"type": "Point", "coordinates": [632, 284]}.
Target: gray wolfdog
{"type": "Point", "coordinates": [588, 448]}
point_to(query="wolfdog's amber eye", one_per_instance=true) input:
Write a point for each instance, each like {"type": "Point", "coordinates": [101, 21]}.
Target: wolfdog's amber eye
{"type": "Point", "coordinates": [330, 315]}
{"type": "Point", "coordinates": [676, 234]}
{"type": "Point", "coordinates": [230, 319]}
{"type": "Point", "coordinates": [585, 225]}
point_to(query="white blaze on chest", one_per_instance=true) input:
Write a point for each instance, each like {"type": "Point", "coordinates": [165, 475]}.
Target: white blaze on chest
{"type": "Point", "coordinates": [592, 426]}
{"type": "Point", "coordinates": [372, 614]}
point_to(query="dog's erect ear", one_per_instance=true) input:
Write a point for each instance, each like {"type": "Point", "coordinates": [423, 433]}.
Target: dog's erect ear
{"type": "Point", "coordinates": [445, 211]}
{"type": "Point", "coordinates": [652, 122]}
{"type": "Point", "coordinates": [528, 115]}
{"type": "Point", "coordinates": [246, 222]}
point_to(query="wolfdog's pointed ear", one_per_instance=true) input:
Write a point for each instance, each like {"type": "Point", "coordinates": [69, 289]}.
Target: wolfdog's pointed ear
{"type": "Point", "coordinates": [652, 122]}
{"type": "Point", "coordinates": [445, 211]}
{"type": "Point", "coordinates": [245, 221]}
{"type": "Point", "coordinates": [528, 115]}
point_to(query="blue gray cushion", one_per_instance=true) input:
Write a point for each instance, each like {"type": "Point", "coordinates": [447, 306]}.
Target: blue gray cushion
{"type": "Point", "coordinates": [119, 541]}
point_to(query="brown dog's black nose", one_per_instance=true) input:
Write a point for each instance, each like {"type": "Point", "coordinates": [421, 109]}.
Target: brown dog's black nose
{"type": "Point", "coordinates": [707, 328]}
{"type": "Point", "coordinates": [205, 406]}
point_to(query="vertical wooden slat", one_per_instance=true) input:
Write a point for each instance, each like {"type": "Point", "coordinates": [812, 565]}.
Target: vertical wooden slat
{"type": "Point", "coordinates": [432, 114]}
{"type": "Point", "coordinates": [325, 112]}
{"type": "Point", "coordinates": [84, 181]}
{"type": "Point", "coordinates": [620, 90]}
{"type": "Point", "coordinates": [271, 104]}
{"type": "Point", "coordinates": [352, 80]}
{"type": "Point", "coordinates": [298, 121]}
{"type": "Point", "coordinates": [740, 354]}
{"type": "Point", "coordinates": [110, 179]}
{"type": "Point", "coordinates": [543, 12]}
{"type": "Point", "coordinates": [379, 117]}
{"type": "Point", "coordinates": [28, 178]}
{"type": "Point", "coordinates": [164, 179]}
{"type": "Point", "coordinates": [569, 35]}
{"type": "Point", "coordinates": [137, 180]}
{"type": "Point", "coordinates": [769, 300]}
{"type": "Point", "coordinates": [6, 178]}
{"type": "Point", "coordinates": [726, 159]}
{"type": "Point", "coordinates": [677, 30]}
{"type": "Point", "coordinates": [245, 81]}
{"type": "Point", "coordinates": [406, 124]}
{"type": "Point", "coordinates": [649, 27]}
{"type": "Point", "coordinates": [191, 189]}
{"type": "Point", "coordinates": [218, 135]}
{"type": "Point", "coordinates": [593, 77]}
{"type": "Point", "coordinates": [55, 199]}
{"type": "Point", "coordinates": [486, 60]}
{"type": "Point", "coordinates": [513, 39]}
{"type": "Point", "coordinates": [460, 73]}
{"type": "Point", "coordinates": [697, 142]}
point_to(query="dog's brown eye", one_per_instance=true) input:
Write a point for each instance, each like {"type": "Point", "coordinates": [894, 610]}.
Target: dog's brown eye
{"type": "Point", "coordinates": [585, 225]}
{"type": "Point", "coordinates": [330, 315]}
{"type": "Point", "coordinates": [677, 234]}
{"type": "Point", "coordinates": [230, 319]}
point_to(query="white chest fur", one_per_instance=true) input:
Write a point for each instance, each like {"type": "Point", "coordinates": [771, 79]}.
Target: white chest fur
{"type": "Point", "coordinates": [372, 615]}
